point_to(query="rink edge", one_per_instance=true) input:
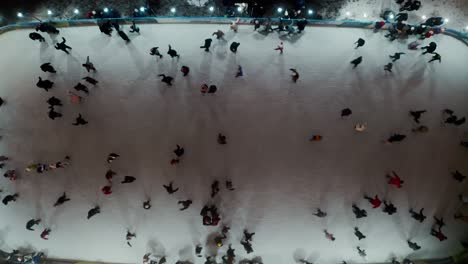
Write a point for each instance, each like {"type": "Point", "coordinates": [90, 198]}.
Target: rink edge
{"type": "Point", "coordinates": [212, 20]}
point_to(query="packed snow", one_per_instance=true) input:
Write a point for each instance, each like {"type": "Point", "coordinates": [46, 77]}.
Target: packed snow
{"type": "Point", "coordinates": [279, 176]}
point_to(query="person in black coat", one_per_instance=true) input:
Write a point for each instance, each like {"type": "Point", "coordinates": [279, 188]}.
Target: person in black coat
{"type": "Point", "coordinates": [172, 52]}
{"type": "Point", "coordinates": [62, 46]}
{"type": "Point", "coordinates": [94, 211]}
{"type": "Point", "coordinates": [90, 80]}
{"type": "Point", "coordinates": [418, 216]}
{"type": "Point", "coordinates": [234, 46]}
{"type": "Point", "coordinates": [166, 79]}
{"type": "Point", "coordinates": [155, 52]}
{"type": "Point", "coordinates": [247, 246]}
{"type": "Point", "coordinates": [429, 48]}
{"type": "Point", "coordinates": [396, 56]}
{"type": "Point", "coordinates": [212, 89]}
{"type": "Point", "coordinates": [358, 233]}
{"type": "Point", "coordinates": [46, 67]}
{"type": "Point", "coordinates": [435, 57]}
{"type": "Point", "coordinates": [61, 200]}
{"type": "Point", "coordinates": [360, 42]}
{"type": "Point", "coordinates": [128, 179]}
{"type": "Point", "coordinates": [185, 204]}
{"type": "Point", "coordinates": [10, 198]}
{"type": "Point", "coordinates": [413, 245]}
{"type": "Point", "coordinates": [356, 61]}
{"type": "Point", "coordinates": [434, 21]}
{"type": "Point", "coordinates": [179, 151]}
{"type": "Point", "coordinates": [123, 36]}
{"type": "Point", "coordinates": [80, 121]}
{"type": "Point", "coordinates": [81, 87]}
{"type": "Point", "coordinates": [185, 70]}
{"type": "Point", "coordinates": [53, 101]}
{"type": "Point", "coordinates": [389, 208]}
{"type": "Point", "coordinates": [32, 223]}
{"type": "Point", "coordinates": [170, 188]}
{"type": "Point", "coordinates": [360, 213]}
{"type": "Point", "coordinates": [53, 114]}
{"type": "Point", "coordinates": [301, 24]}
{"type": "Point", "coordinates": [396, 138]}
{"type": "Point", "coordinates": [44, 84]}
{"type": "Point", "coordinates": [36, 36]}
{"type": "Point", "coordinates": [207, 45]}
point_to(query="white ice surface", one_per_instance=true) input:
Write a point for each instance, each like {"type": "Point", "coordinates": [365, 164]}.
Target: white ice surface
{"type": "Point", "coordinates": [280, 177]}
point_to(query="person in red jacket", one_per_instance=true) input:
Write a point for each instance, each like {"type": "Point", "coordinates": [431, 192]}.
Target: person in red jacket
{"type": "Point", "coordinates": [107, 190]}
{"type": "Point", "coordinates": [438, 234]}
{"type": "Point", "coordinates": [374, 201]}
{"type": "Point", "coordinates": [45, 234]}
{"type": "Point", "coordinates": [395, 180]}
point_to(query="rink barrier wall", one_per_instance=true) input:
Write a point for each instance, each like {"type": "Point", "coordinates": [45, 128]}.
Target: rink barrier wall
{"type": "Point", "coordinates": [212, 20]}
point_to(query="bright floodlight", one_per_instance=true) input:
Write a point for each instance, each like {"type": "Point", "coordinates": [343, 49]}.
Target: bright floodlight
{"type": "Point", "coordinates": [142, 9]}
{"type": "Point", "coordinates": [20, 14]}
{"type": "Point", "coordinates": [310, 12]}
{"type": "Point", "coordinates": [365, 15]}
{"type": "Point", "coordinates": [106, 9]}
{"type": "Point", "coordinates": [49, 12]}
{"type": "Point", "coordinates": [76, 11]}
{"type": "Point", "coordinates": [239, 9]}
{"type": "Point", "coordinates": [348, 13]}
{"type": "Point", "coordinates": [211, 9]}
{"type": "Point", "coordinates": [280, 9]}
{"type": "Point", "coordinates": [391, 16]}
{"type": "Point", "coordinates": [173, 9]}
{"type": "Point", "coordinates": [466, 28]}
{"type": "Point", "coordinates": [423, 17]}
{"type": "Point", "coordinates": [446, 20]}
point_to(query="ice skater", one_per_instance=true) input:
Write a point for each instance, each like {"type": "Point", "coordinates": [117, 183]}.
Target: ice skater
{"type": "Point", "coordinates": [82, 87]}
{"type": "Point", "coordinates": [375, 202]}
{"type": "Point", "coordinates": [458, 176]}
{"type": "Point", "coordinates": [129, 237]}
{"type": "Point", "coordinates": [36, 36]}
{"type": "Point", "coordinates": [248, 236]}
{"type": "Point", "coordinates": [395, 179]}
{"type": "Point", "coordinates": [10, 198]}
{"type": "Point", "coordinates": [417, 115]}
{"type": "Point", "coordinates": [212, 89]}
{"type": "Point", "coordinates": [54, 101]}
{"type": "Point", "coordinates": [93, 211]}
{"type": "Point", "coordinates": [301, 24]}
{"type": "Point", "coordinates": [247, 246]}
{"type": "Point", "coordinates": [234, 25]}
{"type": "Point", "coordinates": [229, 186]}
{"type": "Point", "coordinates": [396, 56]}
{"type": "Point", "coordinates": [358, 233]}
{"type": "Point", "coordinates": [11, 175]}
{"type": "Point", "coordinates": [356, 61]}
{"type": "Point", "coordinates": [47, 67]}
{"type": "Point", "coordinates": [147, 204]}
{"type": "Point", "coordinates": [360, 213]}
{"type": "Point", "coordinates": [239, 72]}
{"type": "Point", "coordinates": [464, 144]}
{"type": "Point", "coordinates": [219, 34]}
{"type": "Point", "coordinates": [45, 234]}
{"type": "Point", "coordinates": [31, 223]}
{"type": "Point", "coordinates": [361, 252]}
{"type": "Point", "coordinates": [360, 127]}
{"type": "Point", "coordinates": [107, 190]}
{"type": "Point", "coordinates": [61, 200]}
{"type": "Point", "coordinates": [53, 114]}
{"type": "Point", "coordinates": [294, 75]}
{"type": "Point", "coordinates": [172, 52]}
{"type": "Point", "coordinates": [90, 80]}
{"type": "Point", "coordinates": [170, 188]}
{"type": "Point", "coordinates": [221, 139]}
{"type": "Point", "coordinates": [214, 188]}
{"type": "Point", "coordinates": [420, 129]}
{"type": "Point", "coordinates": [320, 213]}
{"type": "Point", "coordinates": [80, 121]}
{"type": "Point", "coordinates": [75, 98]}
{"type": "Point", "coordinates": [395, 138]}
{"type": "Point", "coordinates": [438, 234]}
{"type": "Point", "coordinates": [388, 67]}
{"type": "Point", "coordinates": [346, 112]}
{"type": "Point", "coordinates": [280, 47]}
{"type": "Point", "coordinates": [413, 45]}
{"type": "Point", "coordinates": [460, 121]}
{"type": "Point", "coordinates": [389, 208]}
{"type": "Point", "coordinates": [62, 46]}
{"type": "Point", "coordinates": [111, 157]}
{"type": "Point", "coordinates": [439, 222]}
{"type": "Point", "coordinates": [155, 52]}
{"type": "Point", "coordinates": [207, 45]}
{"type": "Point", "coordinates": [44, 84]}
{"type": "Point", "coordinates": [134, 28]}
{"type": "Point", "coordinates": [360, 42]}
{"type": "Point", "coordinates": [328, 235]}
{"type": "Point", "coordinates": [429, 48]}
{"type": "Point", "coordinates": [89, 65]}
{"type": "Point", "coordinates": [435, 57]}
{"type": "Point", "coordinates": [166, 79]}
{"type": "Point", "coordinates": [185, 70]}
{"type": "Point", "coordinates": [413, 245]}
{"type": "Point", "coordinates": [234, 46]}
{"type": "Point", "coordinates": [418, 216]}
{"type": "Point", "coordinates": [128, 179]}
{"type": "Point", "coordinates": [185, 204]}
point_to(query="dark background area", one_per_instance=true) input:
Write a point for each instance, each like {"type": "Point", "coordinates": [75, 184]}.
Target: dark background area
{"type": "Point", "coordinates": [63, 9]}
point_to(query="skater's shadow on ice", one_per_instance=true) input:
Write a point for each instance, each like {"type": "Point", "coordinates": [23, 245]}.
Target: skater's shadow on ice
{"type": "Point", "coordinates": [255, 260]}
{"type": "Point", "coordinates": [186, 253]}
{"type": "Point", "coordinates": [4, 234]}
{"type": "Point", "coordinates": [290, 38]}
{"type": "Point", "coordinates": [156, 247]}
{"type": "Point", "coordinates": [211, 249]}
{"type": "Point", "coordinates": [415, 79]}
{"type": "Point", "coordinates": [205, 67]}
{"type": "Point", "coordinates": [300, 254]}
{"type": "Point", "coordinates": [73, 69]}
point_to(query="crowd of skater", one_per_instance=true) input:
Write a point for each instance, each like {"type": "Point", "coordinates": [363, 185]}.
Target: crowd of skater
{"type": "Point", "coordinates": [210, 214]}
